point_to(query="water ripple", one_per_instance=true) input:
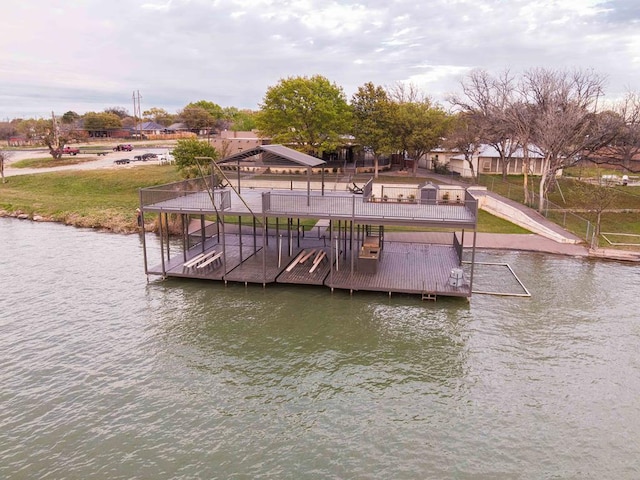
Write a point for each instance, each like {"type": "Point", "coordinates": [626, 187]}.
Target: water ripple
{"type": "Point", "coordinates": [107, 376]}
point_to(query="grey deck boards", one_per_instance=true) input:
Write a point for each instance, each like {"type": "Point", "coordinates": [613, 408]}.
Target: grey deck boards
{"type": "Point", "coordinates": [335, 205]}
{"type": "Point", "coordinates": [413, 268]}
{"type": "Point", "coordinates": [252, 269]}
{"type": "Point", "coordinates": [300, 273]}
{"type": "Point", "coordinates": [404, 268]}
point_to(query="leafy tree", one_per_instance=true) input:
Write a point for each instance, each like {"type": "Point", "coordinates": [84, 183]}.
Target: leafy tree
{"type": "Point", "coordinates": [43, 131]}
{"type": "Point", "coordinates": [213, 109]}
{"type": "Point", "coordinates": [70, 117]}
{"type": "Point", "coordinates": [94, 122]}
{"type": "Point", "coordinates": [197, 118]}
{"type": "Point", "coordinates": [185, 154]}
{"type": "Point", "coordinates": [416, 123]}
{"type": "Point", "coordinates": [310, 114]}
{"type": "Point", "coordinates": [371, 110]}
{"type": "Point", "coordinates": [8, 129]}
{"type": "Point", "coordinates": [120, 112]}
{"type": "Point", "coordinates": [203, 115]}
{"type": "Point", "coordinates": [239, 120]}
{"type": "Point", "coordinates": [159, 115]}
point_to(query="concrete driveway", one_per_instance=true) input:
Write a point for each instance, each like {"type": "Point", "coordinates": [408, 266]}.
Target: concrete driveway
{"type": "Point", "coordinates": [96, 162]}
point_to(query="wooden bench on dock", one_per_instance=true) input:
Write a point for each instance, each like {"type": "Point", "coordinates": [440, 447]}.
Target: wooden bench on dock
{"type": "Point", "coordinates": [199, 258]}
{"type": "Point", "coordinates": [216, 258]}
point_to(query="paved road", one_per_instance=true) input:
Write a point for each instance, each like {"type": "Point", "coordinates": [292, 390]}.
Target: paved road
{"type": "Point", "coordinates": [96, 162]}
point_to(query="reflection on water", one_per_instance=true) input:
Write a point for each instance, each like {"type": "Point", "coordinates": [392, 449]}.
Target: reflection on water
{"type": "Point", "coordinates": [107, 376]}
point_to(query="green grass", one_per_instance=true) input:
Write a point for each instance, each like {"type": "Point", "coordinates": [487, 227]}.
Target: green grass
{"type": "Point", "coordinates": [567, 207]}
{"type": "Point", "coordinates": [565, 196]}
{"type": "Point", "coordinates": [108, 198]}
{"type": "Point", "coordinates": [95, 198]}
{"type": "Point", "coordinates": [589, 172]}
{"type": "Point", "coordinates": [488, 223]}
{"type": "Point", "coordinates": [51, 162]}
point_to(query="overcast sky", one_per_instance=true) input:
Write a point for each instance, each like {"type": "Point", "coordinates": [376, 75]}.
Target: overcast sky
{"type": "Point", "coordinates": [88, 55]}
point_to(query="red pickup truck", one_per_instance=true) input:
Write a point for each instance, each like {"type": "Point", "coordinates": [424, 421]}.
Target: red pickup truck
{"type": "Point", "coordinates": [70, 150]}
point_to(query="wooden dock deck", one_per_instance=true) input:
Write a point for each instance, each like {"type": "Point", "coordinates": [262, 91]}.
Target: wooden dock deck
{"type": "Point", "coordinates": [402, 268]}
{"type": "Point", "coordinates": [334, 252]}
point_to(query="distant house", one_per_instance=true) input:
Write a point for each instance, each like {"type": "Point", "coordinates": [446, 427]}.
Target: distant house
{"type": "Point", "coordinates": [230, 142]}
{"type": "Point", "coordinates": [487, 160]}
{"type": "Point", "coordinates": [181, 127]}
{"type": "Point", "coordinates": [148, 128]}
{"type": "Point", "coordinates": [177, 127]}
{"type": "Point", "coordinates": [437, 157]}
{"type": "Point", "coordinates": [176, 131]}
{"type": "Point", "coordinates": [18, 141]}
{"type": "Point", "coordinates": [615, 158]}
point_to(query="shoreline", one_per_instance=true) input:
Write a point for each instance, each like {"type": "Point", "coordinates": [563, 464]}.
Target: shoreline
{"type": "Point", "coordinates": [488, 241]}
{"type": "Point", "coordinates": [530, 242]}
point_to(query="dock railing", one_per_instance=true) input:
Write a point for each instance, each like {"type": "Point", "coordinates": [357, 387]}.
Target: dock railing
{"type": "Point", "coordinates": [355, 206]}
{"type": "Point", "coordinates": [192, 192]}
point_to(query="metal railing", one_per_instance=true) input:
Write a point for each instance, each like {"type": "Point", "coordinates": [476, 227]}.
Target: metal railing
{"type": "Point", "coordinates": [356, 206]}
{"type": "Point", "coordinates": [193, 194]}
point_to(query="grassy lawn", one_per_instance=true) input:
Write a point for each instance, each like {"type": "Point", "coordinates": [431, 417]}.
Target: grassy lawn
{"type": "Point", "coordinates": [486, 223]}
{"type": "Point", "coordinates": [569, 202]}
{"type": "Point", "coordinates": [565, 196]}
{"type": "Point", "coordinates": [108, 198]}
{"type": "Point", "coordinates": [51, 162]}
{"type": "Point", "coordinates": [95, 198]}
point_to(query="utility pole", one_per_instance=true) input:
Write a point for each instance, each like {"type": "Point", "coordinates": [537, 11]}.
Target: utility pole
{"type": "Point", "coordinates": [54, 125]}
{"type": "Point", "coordinates": [137, 112]}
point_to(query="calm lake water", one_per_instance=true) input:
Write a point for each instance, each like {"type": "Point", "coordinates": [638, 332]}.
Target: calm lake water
{"type": "Point", "coordinates": [104, 375]}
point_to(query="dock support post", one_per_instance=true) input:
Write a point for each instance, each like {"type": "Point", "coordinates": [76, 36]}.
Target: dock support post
{"type": "Point", "coordinates": [185, 235]}
{"type": "Point", "coordinates": [240, 235]}
{"type": "Point", "coordinates": [166, 219]}
{"type": "Point", "coordinates": [203, 236]}
{"type": "Point", "coordinates": [161, 242]}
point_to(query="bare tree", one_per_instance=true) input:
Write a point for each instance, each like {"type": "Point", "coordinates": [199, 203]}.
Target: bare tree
{"type": "Point", "coordinates": [489, 99]}
{"type": "Point", "coordinates": [466, 137]}
{"type": "Point", "coordinates": [563, 104]}
{"type": "Point", "coordinates": [622, 125]}
{"type": "Point", "coordinates": [520, 118]}
{"type": "Point", "coordinates": [4, 156]}
{"type": "Point", "coordinates": [595, 199]}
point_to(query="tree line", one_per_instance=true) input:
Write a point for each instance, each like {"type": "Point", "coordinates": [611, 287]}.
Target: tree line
{"type": "Point", "coordinates": [197, 116]}
{"type": "Point", "coordinates": [559, 115]}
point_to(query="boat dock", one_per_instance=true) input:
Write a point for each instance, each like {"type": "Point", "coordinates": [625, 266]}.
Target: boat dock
{"type": "Point", "coordinates": [313, 237]}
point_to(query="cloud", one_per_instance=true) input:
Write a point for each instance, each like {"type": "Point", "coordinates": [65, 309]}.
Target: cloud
{"type": "Point", "coordinates": [87, 56]}
{"type": "Point", "coordinates": [621, 11]}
